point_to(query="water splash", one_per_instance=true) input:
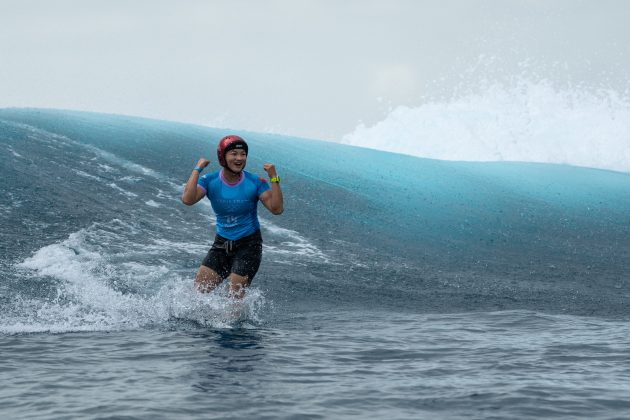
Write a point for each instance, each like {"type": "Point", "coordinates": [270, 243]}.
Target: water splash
{"type": "Point", "coordinates": [511, 121]}
{"type": "Point", "coordinates": [98, 280]}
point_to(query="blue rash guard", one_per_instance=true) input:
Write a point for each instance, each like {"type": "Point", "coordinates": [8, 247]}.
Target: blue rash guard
{"type": "Point", "coordinates": [234, 205]}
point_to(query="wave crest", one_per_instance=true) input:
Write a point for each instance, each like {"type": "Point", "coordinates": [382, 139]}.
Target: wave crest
{"type": "Point", "coordinates": [524, 121]}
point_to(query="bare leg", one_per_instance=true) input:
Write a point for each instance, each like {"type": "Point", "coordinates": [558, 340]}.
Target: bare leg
{"type": "Point", "coordinates": [238, 285]}
{"type": "Point", "coordinates": [207, 279]}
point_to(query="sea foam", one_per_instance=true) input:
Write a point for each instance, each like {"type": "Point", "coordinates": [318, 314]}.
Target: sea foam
{"type": "Point", "coordinates": [102, 289]}
{"type": "Point", "coordinates": [522, 121]}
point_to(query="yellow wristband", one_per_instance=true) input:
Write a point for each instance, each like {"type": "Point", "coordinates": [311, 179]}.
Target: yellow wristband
{"type": "Point", "coordinates": [275, 179]}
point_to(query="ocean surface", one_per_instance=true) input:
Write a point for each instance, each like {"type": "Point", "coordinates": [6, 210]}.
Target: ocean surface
{"type": "Point", "coordinates": [392, 286]}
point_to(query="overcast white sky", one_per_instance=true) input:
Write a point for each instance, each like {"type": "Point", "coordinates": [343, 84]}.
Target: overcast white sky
{"type": "Point", "coordinates": [303, 67]}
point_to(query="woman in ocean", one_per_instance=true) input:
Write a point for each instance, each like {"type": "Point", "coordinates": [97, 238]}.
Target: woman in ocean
{"type": "Point", "coordinates": [234, 194]}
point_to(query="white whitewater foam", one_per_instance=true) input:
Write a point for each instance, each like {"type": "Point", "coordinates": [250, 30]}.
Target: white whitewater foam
{"type": "Point", "coordinates": [122, 190]}
{"type": "Point", "coordinates": [130, 179]}
{"type": "Point", "coordinates": [86, 175]}
{"type": "Point", "coordinates": [117, 160]}
{"type": "Point", "coordinates": [152, 203]}
{"type": "Point", "coordinates": [291, 244]}
{"type": "Point", "coordinates": [14, 153]}
{"type": "Point", "coordinates": [38, 133]}
{"type": "Point", "coordinates": [53, 139]}
{"type": "Point", "coordinates": [88, 269]}
{"type": "Point", "coordinates": [105, 167]}
{"type": "Point", "coordinates": [528, 121]}
{"type": "Point", "coordinates": [160, 245]}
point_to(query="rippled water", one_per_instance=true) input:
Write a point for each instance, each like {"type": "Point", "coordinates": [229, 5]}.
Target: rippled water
{"type": "Point", "coordinates": [328, 365]}
{"type": "Point", "coordinates": [456, 291]}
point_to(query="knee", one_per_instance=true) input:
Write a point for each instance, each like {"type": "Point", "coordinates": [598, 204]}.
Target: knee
{"type": "Point", "coordinates": [238, 285]}
{"type": "Point", "coordinates": [207, 277]}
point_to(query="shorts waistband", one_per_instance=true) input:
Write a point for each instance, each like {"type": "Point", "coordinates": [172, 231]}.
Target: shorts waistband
{"type": "Point", "coordinates": [230, 245]}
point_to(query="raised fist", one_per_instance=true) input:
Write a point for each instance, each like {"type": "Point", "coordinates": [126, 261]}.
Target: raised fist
{"type": "Point", "coordinates": [270, 169]}
{"type": "Point", "coordinates": [203, 163]}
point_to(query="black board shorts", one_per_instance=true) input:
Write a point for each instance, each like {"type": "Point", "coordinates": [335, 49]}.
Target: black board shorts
{"type": "Point", "coordinates": [241, 256]}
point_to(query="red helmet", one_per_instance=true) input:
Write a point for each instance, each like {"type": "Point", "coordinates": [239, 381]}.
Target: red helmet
{"type": "Point", "coordinates": [228, 143]}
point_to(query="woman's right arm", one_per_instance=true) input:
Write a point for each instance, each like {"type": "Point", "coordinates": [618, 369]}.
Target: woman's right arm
{"type": "Point", "coordinates": [193, 192]}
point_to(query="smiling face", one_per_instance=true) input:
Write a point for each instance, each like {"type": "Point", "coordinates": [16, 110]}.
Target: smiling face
{"type": "Point", "coordinates": [235, 160]}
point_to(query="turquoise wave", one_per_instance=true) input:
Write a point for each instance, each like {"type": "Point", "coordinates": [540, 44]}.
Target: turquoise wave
{"type": "Point", "coordinates": [361, 227]}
